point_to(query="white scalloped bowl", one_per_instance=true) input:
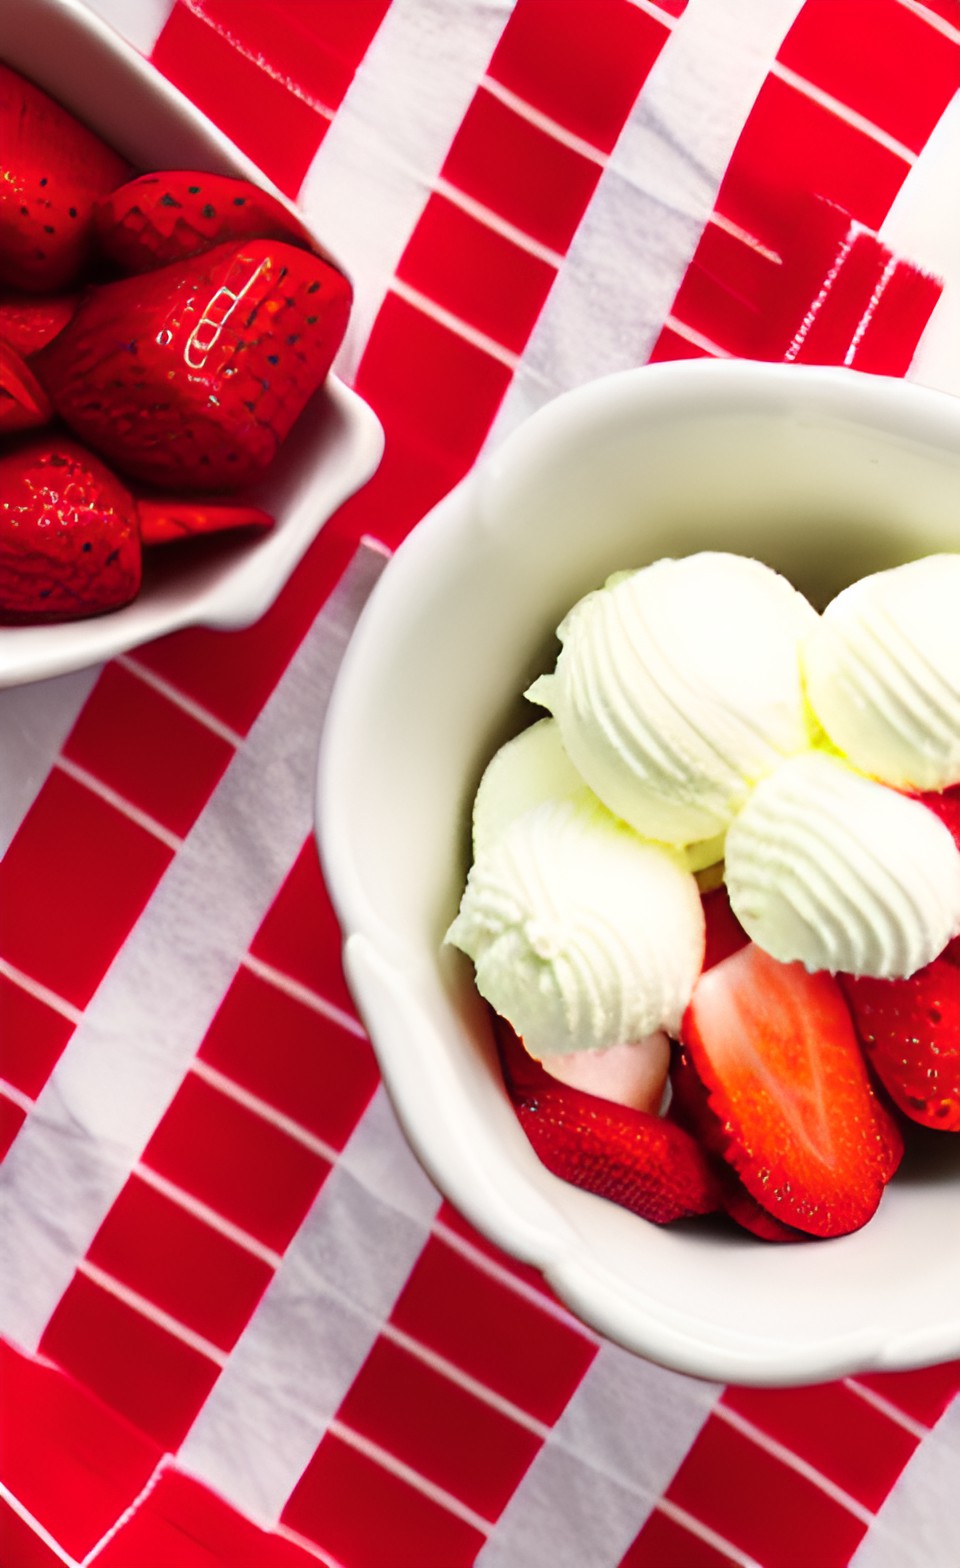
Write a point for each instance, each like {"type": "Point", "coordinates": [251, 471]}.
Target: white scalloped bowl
{"type": "Point", "coordinates": [826, 475]}
{"type": "Point", "coordinates": [332, 450]}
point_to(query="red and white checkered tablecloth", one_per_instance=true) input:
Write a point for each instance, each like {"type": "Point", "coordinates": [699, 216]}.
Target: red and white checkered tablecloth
{"type": "Point", "coordinates": [240, 1329]}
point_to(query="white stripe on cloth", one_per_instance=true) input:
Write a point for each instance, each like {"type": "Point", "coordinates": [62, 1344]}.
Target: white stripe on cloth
{"type": "Point", "coordinates": [924, 227]}
{"type": "Point", "coordinates": [918, 1521]}
{"type": "Point", "coordinates": [639, 234]}
{"type": "Point", "coordinates": [377, 164]}
{"type": "Point", "coordinates": [140, 24]}
{"type": "Point", "coordinates": [303, 1347]}
{"type": "Point", "coordinates": [35, 721]}
{"type": "Point", "coordinates": [139, 1034]}
{"type": "Point", "coordinates": [610, 1457]}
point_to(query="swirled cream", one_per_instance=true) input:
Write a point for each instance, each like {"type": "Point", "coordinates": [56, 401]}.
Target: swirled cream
{"type": "Point", "coordinates": [835, 871]}
{"type": "Point", "coordinates": [582, 936]}
{"type": "Point", "coordinates": [882, 670]}
{"type": "Point", "coordinates": [678, 688]}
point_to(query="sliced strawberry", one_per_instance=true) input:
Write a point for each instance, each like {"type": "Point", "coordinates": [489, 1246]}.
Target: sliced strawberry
{"type": "Point", "coordinates": [52, 169]}
{"type": "Point", "coordinates": [910, 1032]}
{"type": "Point", "coordinates": [644, 1163]}
{"type": "Point", "coordinates": [689, 1108]}
{"type": "Point", "coordinates": [190, 377]}
{"type": "Point", "coordinates": [167, 216]}
{"type": "Point", "coordinates": [169, 522]}
{"type": "Point", "coordinates": [724, 933]}
{"type": "Point", "coordinates": [29, 321]}
{"type": "Point", "coordinates": [777, 1053]}
{"type": "Point", "coordinates": [23, 402]}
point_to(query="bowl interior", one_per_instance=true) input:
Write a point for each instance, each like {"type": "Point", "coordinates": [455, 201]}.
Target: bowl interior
{"type": "Point", "coordinates": [826, 476]}
{"type": "Point", "coordinates": [335, 445]}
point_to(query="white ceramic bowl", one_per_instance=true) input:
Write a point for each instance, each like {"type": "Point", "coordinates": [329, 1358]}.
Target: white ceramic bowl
{"type": "Point", "coordinates": [826, 475]}
{"type": "Point", "coordinates": [335, 445]}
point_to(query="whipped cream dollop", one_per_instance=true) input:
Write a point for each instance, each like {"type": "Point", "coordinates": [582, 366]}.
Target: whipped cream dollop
{"type": "Point", "coordinates": [678, 688]}
{"type": "Point", "coordinates": [582, 936]}
{"type": "Point", "coordinates": [882, 670]}
{"type": "Point", "coordinates": [838, 872]}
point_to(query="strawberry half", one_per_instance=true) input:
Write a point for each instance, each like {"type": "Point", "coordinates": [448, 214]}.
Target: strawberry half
{"type": "Point", "coordinates": [778, 1056]}
{"type": "Point", "coordinates": [643, 1163]}
{"type": "Point", "coordinates": [29, 321]}
{"type": "Point", "coordinates": [190, 377]}
{"type": "Point", "coordinates": [165, 217]}
{"type": "Point", "coordinates": [910, 1032]}
{"type": "Point", "coordinates": [71, 533]}
{"type": "Point", "coordinates": [52, 170]}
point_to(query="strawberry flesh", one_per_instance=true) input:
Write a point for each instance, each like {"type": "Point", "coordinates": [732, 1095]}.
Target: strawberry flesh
{"type": "Point", "coordinates": [23, 402]}
{"type": "Point", "coordinates": [644, 1163]}
{"type": "Point", "coordinates": [776, 1051]}
{"type": "Point", "coordinates": [52, 170]}
{"type": "Point", "coordinates": [190, 377]}
{"type": "Point", "coordinates": [910, 1033]}
{"type": "Point", "coordinates": [164, 217]}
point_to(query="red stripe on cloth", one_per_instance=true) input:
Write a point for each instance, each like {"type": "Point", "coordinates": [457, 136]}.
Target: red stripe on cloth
{"type": "Point", "coordinates": [179, 1263]}
{"type": "Point", "coordinates": [949, 10]}
{"type": "Point", "coordinates": [727, 292]}
{"type": "Point", "coordinates": [835, 1430]}
{"type": "Point", "coordinates": [232, 674]}
{"type": "Point", "coordinates": [884, 61]}
{"type": "Point", "coordinates": [181, 1524]}
{"type": "Point", "coordinates": [72, 883]}
{"type": "Point", "coordinates": [143, 1372]}
{"type": "Point", "coordinates": [520, 172]}
{"type": "Point", "coordinates": [923, 1394]}
{"type": "Point", "coordinates": [71, 1460]}
{"type": "Point", "coordinates": [368, 1518]}
{"type": "Point", "coordinates": [663, 1543]}
{"type": "Point", "coordinates": [270, 73]}
{"type": "Point", "coordinates": [300, 934]}
{"type": "Point", "coordinates": [887, 335]}
{"type": "Point", "coordinates": [32, 1037]}
{"type": "Point", "coordinates": [241, 1165]}
{"type": "Point", "coordinates": [443, 1431]}
{"type": "Point", "coordinates": [314, 1070]}
{"type": "Point", "coordinates": [672, 345]}
{"type": "Point", "coordinates": [792, 146]}
{"type": "Point", "coordinates": [580, 65]}
{"type": "Point", "coordinates": [476, 273]}
{"type": "Point", "coordinates": [12, 1118]}
{"type": "Point", "coordinates": [146, 748]}
{"type": "Point", "coordinates": [784, 1520]}
{"type": "Point", "coordinates": [22, 1546]}
{"type": "Point", "coordinates": [531, 1357]}
{"type": "Point", "coordinates": [450, 1219]}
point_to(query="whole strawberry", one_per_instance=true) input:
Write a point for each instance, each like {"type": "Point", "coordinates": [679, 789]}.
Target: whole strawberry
{"type": "Point", "coordinates": [71, 533]}
{"type": "Point", "coordinates": [190, 377]}
{"type": "Point", "coordinates": [910, 1033]}
{"type": "Point", "coordinates": [52, 170]}
{"type": "Point", "coordinates": [165, 217]}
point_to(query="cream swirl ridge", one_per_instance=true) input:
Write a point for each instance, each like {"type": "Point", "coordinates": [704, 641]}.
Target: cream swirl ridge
{"type": "Point", "coordinates": [831, 869]}
{"type": "Point", "coordinates": [583, 936]}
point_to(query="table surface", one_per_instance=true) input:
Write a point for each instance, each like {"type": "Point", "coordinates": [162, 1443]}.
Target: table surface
{"type": "Point", "coordinates": [240, 1327]}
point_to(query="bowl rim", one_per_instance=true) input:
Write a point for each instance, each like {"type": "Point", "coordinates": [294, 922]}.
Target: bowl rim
{"type": "Point", "coordinates": [370, 952]}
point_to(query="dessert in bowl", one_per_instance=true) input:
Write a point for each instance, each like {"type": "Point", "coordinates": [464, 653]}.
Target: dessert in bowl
{"type": "Point", "coordinates": [333, 446]}
{"type": "Point", "coordinates": [826, 477]}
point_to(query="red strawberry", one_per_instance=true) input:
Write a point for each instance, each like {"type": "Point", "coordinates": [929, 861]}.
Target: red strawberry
{"type": "Point", "coordinates": [23, 402]}
{"type": "Point", "coordinates": [52, 169]}
{"type": "Point", "coordinates": [190, 377]}
{"type": "Point", "coordinates": [724, 933]}
{"type": "Point", "coordinates": [946, 806]}
{"type": "Point", "coordinates": [165, 217]}
{"type": "Point", "coordinates": [690, 1110]}
{"type": "Point", "coordinates": [71, 533]}
{"type": "Point", "coordinates": [29, 321]}
{"type": "Point", "coordinates": [644, 1163]}
{"type": "Point", "coordinates": [910, 1032]}
{"type": "Point", "coordinates": [777, 1053]}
